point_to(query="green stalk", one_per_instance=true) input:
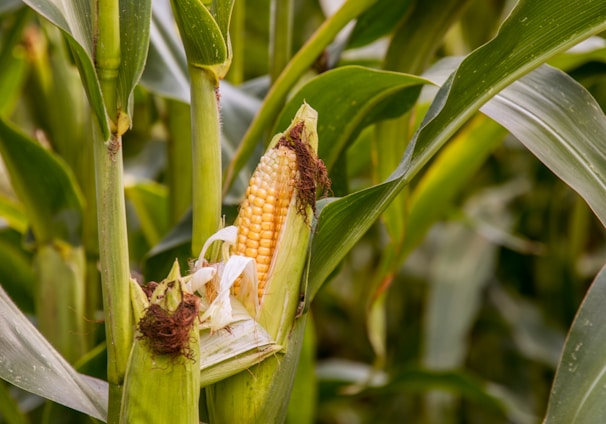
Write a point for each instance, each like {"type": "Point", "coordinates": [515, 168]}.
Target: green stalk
{"type": "Point", "coordinates": [237, 35]}
{"type": "Point", "coordinates": [299, 64]}
{"type": "Point", "coordinates": [113, 242]}
{"type": "Point", "coordinates": [107, 53]}
{"type": "Point", "coordinates": [179, 171]}
{"type": "Point", "coordinates": [206, 156]}
{"type": "Point", "coordinates": [280, 38]}
{"type": "Point", "coordinates": [113, 257]}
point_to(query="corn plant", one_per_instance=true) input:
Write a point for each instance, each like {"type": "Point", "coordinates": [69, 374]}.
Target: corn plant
{"type": "Point", "coordinates": [299, 211]}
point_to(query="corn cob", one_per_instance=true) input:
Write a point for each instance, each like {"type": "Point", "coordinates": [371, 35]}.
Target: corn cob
{"type": "Point", "coordinates": [264, 209]}
{"type": "Point", "coordinates": [285, 180]}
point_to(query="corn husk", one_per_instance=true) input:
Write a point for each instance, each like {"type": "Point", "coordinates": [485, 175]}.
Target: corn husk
{"type": "Point", "coordinates": [260, 394]}
{"type": "Point", "coordinates": [162, 387]}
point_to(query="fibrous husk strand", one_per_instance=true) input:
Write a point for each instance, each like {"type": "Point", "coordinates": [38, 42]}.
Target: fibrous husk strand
{"type": "Point", "coordinates": [168, 333]}
{"type": "Point", "coordinates": [312, 171]}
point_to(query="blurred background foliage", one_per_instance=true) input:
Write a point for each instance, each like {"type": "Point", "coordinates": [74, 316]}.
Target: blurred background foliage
{"type": "Point", "coordinates": [464, 325]}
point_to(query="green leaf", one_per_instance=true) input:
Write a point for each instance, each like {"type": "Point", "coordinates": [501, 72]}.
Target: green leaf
{"type": "Point", "coordinates": [532, 33]}
{"type": "Point", "coordinates": [563, 126]}
{"type": "Point", "coordinates": [76, 23]}
{"type": "Point", "coordinates": [13, 63]}
{"type": "Point", "coordinates": [350, 98]}
{"type": "Point", "coordinates": [9, 408]}
{"type": "Point", "coordinates": [149, 200]}
{"type": "Point", "coordinates": [577, 395]}
{"type": "Point", "coordinates": [560, 123]}
{"type": "Point", "coordinates": [377, 21]}
{"type": "Point", "coordinates": [135, 17]}
{"type": "Point", "coordinates": [17, 275]}
{"type": "Point", "coordinates": [28, 361]}
{"type": "Point", "coordinates": [45, 186]}
{"type": "Point", "coordinates": [166, 67]}
{"type": "Point", "coordinates": [448, 175]}
{"type": "Point", "coordinates": [204, 33]}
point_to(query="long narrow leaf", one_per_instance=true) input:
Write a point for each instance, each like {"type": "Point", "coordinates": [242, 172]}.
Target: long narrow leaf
{"type": "Point", "coordinates": [577, 395]}
{"type": "Point", "coordinates": [28, 361]}
{"type": "Point", "coordinates": [348, 99]}
{"type": "Point", "coordinates": [135, 18]}
{"type": "Point", "coordinates": [517, 49]}
{"type": "Point", "coordinates": [535, 31]}
{"type": "Point", "coordinates": [76, 23]}
{"type": "Point", "coordinates": [559, 122]}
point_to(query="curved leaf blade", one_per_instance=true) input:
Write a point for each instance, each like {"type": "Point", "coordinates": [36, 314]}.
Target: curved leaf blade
{"type": "Point", "coordinates": [28, 361]}
{"type": "Point", "coordinates": [350, 98]}
{"type": "Point", "coordinates": [519, 47]}
{"type": "Point", "coordinates": [202, 35]}
{"type": "Point", "coordinates": [577, 395]}
{"type": "Point", "coordinates": [135, 21]}
{"type": "Point", "coordinates": [562, 125]}
{"type": "Point", "coordinates": [166, 67]}
{"type": "Point", "coordinates": [559, 122]}
{"type": "Point", "coordinates": [74, 21]}
{"type": "Point", "coordinates": [52, 199]}
{"type": "Point", "coordinates": [535, 31]}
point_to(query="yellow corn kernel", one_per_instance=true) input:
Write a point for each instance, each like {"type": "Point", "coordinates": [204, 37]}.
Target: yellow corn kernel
{"type": "Point", "coordinates": [264, 209]}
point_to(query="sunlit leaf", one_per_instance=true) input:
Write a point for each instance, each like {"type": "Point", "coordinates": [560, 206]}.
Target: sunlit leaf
{"type": "Point", "coordinates": [348, 99]}
{"type": "Point", "coordinates": [28, 361]}
{"type": "Point", "coordinates": [577, 395]}
{"type": "Point", "coordinates": [519, 48]}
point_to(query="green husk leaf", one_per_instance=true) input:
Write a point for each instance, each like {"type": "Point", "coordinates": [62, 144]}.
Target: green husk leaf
{"type": "Point", "coordinates": [258, 394]}
{"type": "Point", "coordinates": [228, 352]}
{"type": "Point", "coordinates": [173, 368]}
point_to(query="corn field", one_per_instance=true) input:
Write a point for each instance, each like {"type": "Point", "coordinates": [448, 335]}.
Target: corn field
{"type": "Point", "coordinates": [302, 211]}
